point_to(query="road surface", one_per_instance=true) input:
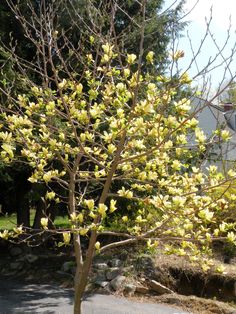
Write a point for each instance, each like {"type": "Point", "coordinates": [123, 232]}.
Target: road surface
{"type": "Point", "coordinates": [16, 297]}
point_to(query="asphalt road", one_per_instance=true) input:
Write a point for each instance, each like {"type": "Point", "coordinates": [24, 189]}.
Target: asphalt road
{"type": "Point", "coordinates": [49, 299]}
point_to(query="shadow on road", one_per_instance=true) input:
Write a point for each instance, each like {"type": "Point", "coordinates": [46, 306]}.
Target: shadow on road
{"type": "Point", "coordinates": [22, 298]}
{"type": "Point", "coordinates": [18, 297]}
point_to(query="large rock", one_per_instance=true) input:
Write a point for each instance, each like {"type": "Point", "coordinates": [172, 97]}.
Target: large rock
{"type": "Point", "coordinates": [101, 275]}
{"type": "Point", "coordinates": [129, 288]}
{"type": "Point", "coordinates": [142, 289]}
{"type": "Point", "coordinates": [101, 283]}
{"type": "Point", "coordinates": [128, 269]}
{"type": "Point", "coordinates": [68, 266]}
{"type": "Point", "coordinates": [115, 262]}
{"type": "Point", "coordinates": [112, 273]}
{"type": "Point", "coordinates": [159, 288]}
{"type": "Point", "coordinates": [100, 266]}
{"type": "Point", "coordinates": [118, 283]}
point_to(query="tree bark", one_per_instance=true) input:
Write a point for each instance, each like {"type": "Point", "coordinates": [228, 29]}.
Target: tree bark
{"type": "Point", "coordinates": [23, 212]}
{"type": "Point", "coordinates": [83, 271]}
{"type": "Point", "coordinates": [78, 307]}
{"type": "Point", "coordinates": [79, 275]}
{"type": "Point", "coordinates": [21, 199]}
{"type": "Point", "coordinates": [42, 211]}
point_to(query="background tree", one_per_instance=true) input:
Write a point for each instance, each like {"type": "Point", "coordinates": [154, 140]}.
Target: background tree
{"type": "Point", "coordinates": [229, 96]}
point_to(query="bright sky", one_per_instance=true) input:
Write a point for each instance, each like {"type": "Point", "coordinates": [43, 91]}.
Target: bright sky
{"type": "Point", "coordinates": [222, 10]}
{"type": "Point", "coordinates": [223, 14]}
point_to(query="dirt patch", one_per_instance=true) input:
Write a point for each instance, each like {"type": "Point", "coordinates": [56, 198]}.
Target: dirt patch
{"type": "Point", "coordinates": [187, 279]}
{"type": "Point", "coordinates": [197, 305]}
{"type": "Point", "coordinates": [191, 304]}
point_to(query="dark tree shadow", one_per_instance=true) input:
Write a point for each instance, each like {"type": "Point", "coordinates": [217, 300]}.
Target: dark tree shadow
{"type": "Point", "coordinates": [16, 297]}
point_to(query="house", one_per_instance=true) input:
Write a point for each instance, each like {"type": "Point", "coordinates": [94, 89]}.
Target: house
{"type": "Point", "coordinates": [212, 117]}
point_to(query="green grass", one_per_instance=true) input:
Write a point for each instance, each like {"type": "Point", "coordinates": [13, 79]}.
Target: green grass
{"type": "Point", "coordinates": [9, 222]}
{"type": "Point", "coordinates": [62, 222]}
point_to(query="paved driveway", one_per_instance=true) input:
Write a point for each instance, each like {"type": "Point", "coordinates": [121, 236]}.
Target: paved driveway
{"type": "Point", "coordinates": [49, 299]}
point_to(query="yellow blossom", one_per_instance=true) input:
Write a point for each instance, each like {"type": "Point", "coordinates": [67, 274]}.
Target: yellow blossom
{"type": "Point", "coordinates": [97, 245]}
{"type": "Point", "coordinates": [83, 231]}
{"type": "Point", "coordinates": [5, 234]}
{"type": "Point", "coordinates": [225, 135]}
{"type": "Point", "coordinates": [66, 238]}
{"type": "Point", "coordinates": [177, 55]}
{"type": "Point", "coordinates": [231, 237]}
{"type": "Point", "coordinates": [125, 193]}
{"type": "Point", "coordinates": [89, 204]}
{"type": "Point", "coordinates": [150, 57]}
{"type": "Point", "coordinates": [125, 218]}
{"type": "Point", "coordinates": [221, 269]}
{"type": "Point", "coordinates": [18, 230]}
{"type": "Point", "coordinates": [131, 58]}
{"type": "Point", "coordinates": [205, 214]}
{"type": "Point", "coordinates": [44, 222]}
{"type": "Point", "coordinates": [73, 217]}
{"type": "Point", "coordinates": [80, 217]}
{"type": "Point", "coordinates": [112, 206]}
{"type": "Point", "coordinates": [102, 208]}
{"type": "Point", "coordinates": [50, 195]}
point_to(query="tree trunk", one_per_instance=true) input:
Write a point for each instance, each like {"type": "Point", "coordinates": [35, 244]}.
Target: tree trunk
{"type": "Point", "coordinates": [81, 279]}
{"type": "Point", "coordinates": [22, 188]}
{"type": "Point", "coordinates": [78, 296]}
{"type": "Point", "coordinates": [42, 211]}
{"type": "Point", "coordinates": [82, 272]}
{"type": "Point", "coordinates": [23, 213]}
{"type": "Point", "coordinates": [78, 307]}
{"type": "Point", "coordinates": [84, 268]}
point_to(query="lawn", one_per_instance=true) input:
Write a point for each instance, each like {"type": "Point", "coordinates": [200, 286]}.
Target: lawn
{"type": "Point", "coordinates": [9, 222]}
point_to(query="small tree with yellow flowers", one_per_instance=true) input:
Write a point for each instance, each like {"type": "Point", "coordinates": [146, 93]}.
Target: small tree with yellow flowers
{"type": "Point", "coordinates": [111, 132]}
{"type": "Point", "coordinates": [103, 126]}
